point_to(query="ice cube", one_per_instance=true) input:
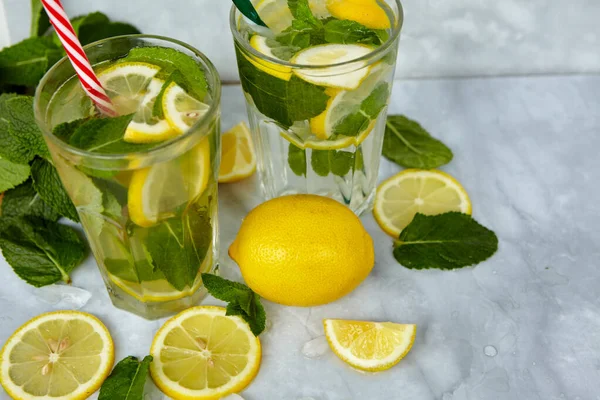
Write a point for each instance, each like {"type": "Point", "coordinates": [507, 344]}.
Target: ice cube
{"type": "Point", "coordinates": [315, 348]}
{"type": "Point", "coordinates": [63, 296]}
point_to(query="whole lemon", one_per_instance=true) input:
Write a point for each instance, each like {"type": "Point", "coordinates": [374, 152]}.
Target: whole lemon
{"type": "Point", "coordinates": [303, 250]}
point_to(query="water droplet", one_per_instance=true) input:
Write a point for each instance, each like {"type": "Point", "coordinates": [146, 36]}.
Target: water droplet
{"type": "Point", "coordinates": [533, 363]}
{"type": "Point", "coordinates": [315, 348]}
{"type": "Point", "coordinates": [490, 351]}
{"type": "Point", "coordinates": [494, 272]}
{"type": "Point", "coordinates": [454, 314]}
{"type": "Point", "coordinates": [514, 353]}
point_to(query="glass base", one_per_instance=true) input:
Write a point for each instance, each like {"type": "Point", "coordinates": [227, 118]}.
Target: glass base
{"type": "Point", "coordinates": [358, 208]}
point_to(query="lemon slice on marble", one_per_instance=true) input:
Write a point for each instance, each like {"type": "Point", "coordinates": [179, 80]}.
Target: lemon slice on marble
{"type": "Point", "coordinates": [203, 354]}
{"type": "Point", "coordinates": [348, 76]}
{"type": "Point", "coordinates": [61, 355]}
{"type": "Point", "coordinates": [428, 192]}
{"type": "Point", "coordinates": [369, 346]}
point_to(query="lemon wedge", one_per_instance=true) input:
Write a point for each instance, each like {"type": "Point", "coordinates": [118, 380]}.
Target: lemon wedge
{"type": "Point", "coordinates": [348, 76]}
{"type": "Point", "coordinates": [203, 354]}
{"type": "Point", "coordinates": [428, 192]}
{"type": "Point", "coordinates": [126, 84]}
{"type": "Point", "coordinates": [181, 110]}
{"type": "Point", "coordinates": [369, 346]}
{"type": "Point", "coordinates": [62, 355]}
{"type": "Point", "coordinates": [157, 190]}
{"type": "Point", "coordinates": [238, 158]}
{"type": "Point", "coordinates": [366, 12]}
{"type": "Point", "coordinates": [259, 43]}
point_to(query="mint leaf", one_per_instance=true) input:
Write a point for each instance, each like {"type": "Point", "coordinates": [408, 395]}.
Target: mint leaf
{"type": "Point", "coordinates": [12, 174]}
{"type": "Point", "coordinates": [358, 121]}
{"type": "Point", "coordinates": [170, 60]}
{"type": "Point", "coordinates": [24, 201]}
{"type": "Point", "coordinates": [178, 246]}
{"type": "Point", "coordinates": [24, 140]}
{"type": "Point", "coordinates": [104, 135]}
{"type": "Point", "coordinates": [324, 162]}
{"type": "Point", "coordinates": [297, 160]}
{"type": "Point", "coordinates": [283, 101]}
{"type": "Point", "coordinates": [300, 9]}
{"type": "Point", "coordinates": [409, 145]}
{"type": "Point", "coordinates": [26, 62]}
{"type": "Point", "coordinates": [65, 130]}
{"type": "Point", "coordinates": [40, 252]}
{"type": "Point", "coordinates": [127, 380]}
{"type": "Point", "coordinates": [242, 300]}
{"type": "Point", "coordinates": [39, 19]}
{"type": "Point", "coordinates": [281, 51]}
{"type": "Point", "coordinates": [446, 241]}
{"type": "Point", "coordinates": [48, 185]}
{"type": "Point", "coordinates": [348, 32]}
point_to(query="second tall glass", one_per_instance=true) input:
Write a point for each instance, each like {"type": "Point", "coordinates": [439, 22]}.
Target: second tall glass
{"type": "Point", "coordinates": [318, 125]}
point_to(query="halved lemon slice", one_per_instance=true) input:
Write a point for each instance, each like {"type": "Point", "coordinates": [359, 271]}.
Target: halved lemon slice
{"type": "Point", "coordinates": [260, 44]}
{"type": "Point", "coordinates": [203, 354]}
{"type": "Point", "coordinates": [181, 110]}
{"type": "Point", "coordinates": [238, 159]}
{"type": "Point", "coordinates": [62, 355]}
{"type": "Point", "coordinates": [145, 127]}
{"type": "Point", "coordinates": [126, 84]}
{"type": "Point", "coordinates": [348, 76]}
{"type": "Point", "coordinates": [428, 192]}
{"type": "Point", "coordinates": [367, 12]}
{"type": "Point", "coordinates": [369, 346]}
{"type": "Point", "coordinates": [156, 191]}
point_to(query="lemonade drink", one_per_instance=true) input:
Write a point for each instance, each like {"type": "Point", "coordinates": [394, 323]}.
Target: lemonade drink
{"type": "Point", "coordinates": [317, 85]}
{"type": "Point", "coordinates": [143, 183]}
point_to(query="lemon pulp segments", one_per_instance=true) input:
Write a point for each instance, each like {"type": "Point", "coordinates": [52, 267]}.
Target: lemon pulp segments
{"type": "Point", "coordinates": [369, 346]}
{"type": "Point", "coordinates": [238, 158]}
{"type": "Point", "coordinates": [203, 354]}
{"type": "Point", "coordinates": [182, 110]}
{"type": "Point", "coordinates": [62, 355]}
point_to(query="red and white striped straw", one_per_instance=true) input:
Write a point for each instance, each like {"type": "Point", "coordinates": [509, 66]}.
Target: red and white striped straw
{"type": "Point", "coordinates": [78, 58]}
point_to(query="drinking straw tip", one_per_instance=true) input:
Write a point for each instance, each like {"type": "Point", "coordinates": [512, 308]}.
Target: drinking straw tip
{"type": "Point", "coordinates": [246, 8]}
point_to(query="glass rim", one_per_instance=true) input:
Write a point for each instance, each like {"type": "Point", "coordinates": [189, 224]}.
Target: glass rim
{"type": "Point", "coordinates": [377, 51]}
{"type": "Point", "coordinates": [202, 122]}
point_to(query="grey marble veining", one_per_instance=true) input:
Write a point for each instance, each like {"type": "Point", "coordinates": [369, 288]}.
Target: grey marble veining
{"type": "Point", "coordinates": [522, 325]}
{"type": "Point", "coordinates": [440, 38]}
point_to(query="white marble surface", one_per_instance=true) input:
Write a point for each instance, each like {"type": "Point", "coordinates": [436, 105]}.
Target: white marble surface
{"type": "Point", "coordinates": [441, 38]}
{"type": "Point", "coordinates": [522, 325]}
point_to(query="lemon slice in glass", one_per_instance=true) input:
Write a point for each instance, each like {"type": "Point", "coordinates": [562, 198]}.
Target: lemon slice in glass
{"type": "Point", "coordinates": [259, 43]}
{"type": "Point", "coordinates": [203, 354]}
{"type": "Point", "coordinates": [238, 158]}
{"type": "Point", "coordinates": [428, 192]}
{"type": "Point", "coordinates": [156, 191]}
{"type": "Point", "coordinates": [366, 12]}
{"type": "Point", "coordinates": [126, 84]}
{"type": "Point", "coordinates": [145, 127]}
{"type": "Point", "coordinates": [369, 346]}
{"type": "Point", "coordinates": [62, 355]}
{"type": "Point", "coordinates": [275, 13]}
{"type": "Point", "coordinates": [181, 110]}
{"type": "Point", "coordinates": [348, 76]}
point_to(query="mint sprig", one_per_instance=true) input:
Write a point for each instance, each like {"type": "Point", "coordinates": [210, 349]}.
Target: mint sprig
{"type": "Point", "coordinates": [242, 301]}
{"type": "Point", "coordinates": [48, 185]}
{"type": "Point", "coordinates": [409, 145]}
{"type": "Point", "coordinates": [446, 241]}
{"type": "Point", "coordinates": [127, 380]}
{"type": "Point", "coordinates": [25, 201]}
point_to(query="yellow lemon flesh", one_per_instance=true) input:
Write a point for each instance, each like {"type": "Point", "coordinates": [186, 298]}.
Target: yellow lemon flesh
{"type": "Point", "coordinates": [202, 354]}
{"type": "Point", "coordinates": [303, 250]}
{"type": "Point", "coordinates": [238, 158]}
{"type": "Point", "coordinates": [259, 43]}
{"type": "Point", "coordinates": [369, 346]}
{"type": "Point", "coordinates": [62, 355]}
{"type": "Point", "coordinates": [366, 12]}
{"type": "Point", "coordinates": [428, 192]}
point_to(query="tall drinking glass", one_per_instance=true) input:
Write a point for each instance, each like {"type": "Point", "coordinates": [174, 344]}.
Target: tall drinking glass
{"type": "Point", "coordinates": [144, 183]}
{"type": "Point", "coordinates": [317, 88]}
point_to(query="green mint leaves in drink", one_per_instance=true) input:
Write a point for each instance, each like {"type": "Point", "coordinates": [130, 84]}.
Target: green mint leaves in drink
{"type": "Point", "coordinates": [324, 162]}
{"type": "Point", "coordinates": [242, 301]}
{"type": "Point", "coordinates": [297, 160]}
{"type": "Point", "coordinates": [41, 252]}
{"type": "Point", "coordinates": [409, 145]}
{"type": "Point", "coordinates": [446, 241]}
{"type": "Point", "coordinates": [127, 380]}
{"type": "Point", "coordinates": [359, 120]}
